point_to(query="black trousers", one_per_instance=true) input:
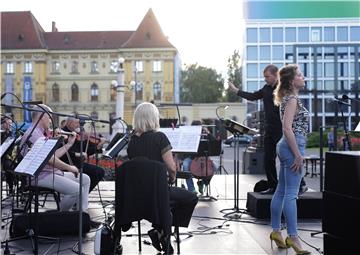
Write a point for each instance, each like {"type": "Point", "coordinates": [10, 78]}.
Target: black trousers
{"type": "Point", "coordinates": [95, 173]}
{"type": "Point", "coordinates": [270, 142]}
{"type": "Point", "coordinates": [183, 202]}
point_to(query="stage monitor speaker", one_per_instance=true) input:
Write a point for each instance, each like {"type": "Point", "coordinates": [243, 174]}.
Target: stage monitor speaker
{"type": "Point", "coordinates": [50, 223]}
{"type": "Point", "coordinates": [253, 160]}
{"type": "Point", "coordinates": [309, 205]}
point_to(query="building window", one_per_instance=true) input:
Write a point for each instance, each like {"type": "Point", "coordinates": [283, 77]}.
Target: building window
{"type": "Point", "coordinates": [9, 67]}
{"type": "Point", "coordinates": [342, 34]}
{"type": "Point", "coordinates": [252, 70]}
{"type": "Point", "coordinates": [316, 34]}
{"type": "Point", "coordinates": [343, 69]}
{"type": "Point", "coordinates": [251, 35]}
{"type": "Point", "coordinates": [329, 34]}
{"type": "Point", "coordinates": [56, 92]}
{"type": "Point", "coordinates": [114, 66]}
{"type": "Point", "coordinates": [94, 92]}
{"type": "Point", "coordinates": [329, 85]}
{"type": "Point", "coordinates": [303, 34]}
{"type": "Point", "coordinates": [264, 34]}
{"type": "Point", "coordinates": [94, 67]}
{"type": "Point", "coordinates": [289, 52]}
{"type": "Point", "coordinates": [329, 69]}
{"type": "Point", "coordinates": [75, 67]}
{"type": "Point", "coordinates": [290, 34]}
{"type": "Point", "coordinates": [94, 115]}
{"type": "Point", "coordinates": [264, 52]}
{"type": "Point", "coordinates": [157, 91]}
{"type": "Point", "coordinates": [355, 33]}
{"type": "Point", "coordinates": [252, 86]}
{"type": "Point", "coordinates": [74, 93]}
{"type": "Point", "coordinates": [277, 34]}
{"type": "Point", "coordinates": [139, 65]}
{"type": "Point", "coordinates": [112, 92]}
{"type": "Point", "coordinates": [278, 52]}
{"type": "Point", "coordinates": [56, 67]}
{"type": "Point", "coordinates": [139, 91]}
{"type": "Point", "coordinates": [28, 68]}
{"type": "Point", "coordinates": [157, 66]}
{"type": "Point", "coordinates": [251, 53]}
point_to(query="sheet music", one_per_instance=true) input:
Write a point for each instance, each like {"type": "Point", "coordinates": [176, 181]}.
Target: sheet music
{"type": "Point", "coordinates": [36, 156]}
{"type": "Point", "coordinates": [357, 129]}
{"type": "Point", "coordinates": [184, 138]}
{"type": "Point", "coordinates": [5, 145]}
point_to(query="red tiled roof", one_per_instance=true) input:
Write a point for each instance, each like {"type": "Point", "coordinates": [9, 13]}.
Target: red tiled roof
{"type": "Point", "coordinates": [20, 30]}
{"type": "Point", "coordinates": [86, 40]}
{"type": "Point", "coordinates": [148, 34]}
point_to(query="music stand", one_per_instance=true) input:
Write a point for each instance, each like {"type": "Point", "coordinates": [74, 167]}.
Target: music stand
{"type": "Point", "coordinates": [30, 166]}
{"type": "Point", "coordinates": [236, 129]}
{"type": "Point", "coordinates": [164, 123]}
{"type": "Point", "coordinates": [206, 149]}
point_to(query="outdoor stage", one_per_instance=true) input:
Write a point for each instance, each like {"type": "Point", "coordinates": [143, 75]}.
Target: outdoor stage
{"type": "Point", "coordinates": [209, 232]}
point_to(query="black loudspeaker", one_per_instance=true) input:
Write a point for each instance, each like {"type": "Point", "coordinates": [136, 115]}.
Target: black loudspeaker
{"type": "Point", "coordinates": [220, 131]}
{"type": "Point", "coordinates": [50, 223]}
{"type": "Point", "coordinates": [341, 214]}
{"type": "Point", "coordinates": [343, 173]}
{"type": "Point", "coordinates": [253, 160]}
{"type": "Point", "coordinates": [335, 245]}
{"type": "Point", "coordinates": [309, 205]}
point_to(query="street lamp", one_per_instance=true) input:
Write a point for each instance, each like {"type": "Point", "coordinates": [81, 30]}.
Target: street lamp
{"type": "Point", "coordinates": [119, 84]}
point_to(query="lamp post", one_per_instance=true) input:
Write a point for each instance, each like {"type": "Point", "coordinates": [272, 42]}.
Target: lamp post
{"type": "Point", "coordinates": [118, 126]}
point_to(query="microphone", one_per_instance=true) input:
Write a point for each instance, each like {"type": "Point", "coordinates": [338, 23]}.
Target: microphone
{"type": "Point", "coordinates": [33, 102]}
{"type": "Point", "coordinates": [345, 97]}
{"type": "Point", "coordinates": [340, 101]}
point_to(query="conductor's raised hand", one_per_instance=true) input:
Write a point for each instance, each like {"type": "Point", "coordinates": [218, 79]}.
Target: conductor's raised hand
{"type": "Point", "coordinates": [232, 87]}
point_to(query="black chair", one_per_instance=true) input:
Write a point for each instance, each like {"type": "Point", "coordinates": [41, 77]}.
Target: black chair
{"type": "Point", "coordinates": [31, 190]}
{"type": "Point", "coordinates": [142, 192]}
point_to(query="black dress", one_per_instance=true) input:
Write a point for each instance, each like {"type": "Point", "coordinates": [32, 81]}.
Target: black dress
{"type": "Point", "coordinates": [153, 145]}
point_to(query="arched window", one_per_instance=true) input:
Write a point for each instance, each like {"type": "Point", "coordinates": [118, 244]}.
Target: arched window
{"type": "Point", "coordinates": [94, 115]}
{"type": "Point", "coordinates": [112, 92]}
{"type": "Point", "coordinates": [74, 92]}
{"type": "Point", "coordinates": [94, 92]}
{"type": "Point", "coordinates": [139, 91]}
{"type": "Point", "coordinates": [157, 91]}
{"type": "Point", "coordinates": [55, 92]}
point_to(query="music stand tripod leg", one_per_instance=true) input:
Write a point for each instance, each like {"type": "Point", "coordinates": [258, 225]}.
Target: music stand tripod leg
{"type": "Point", "coordinates": [236, 212]}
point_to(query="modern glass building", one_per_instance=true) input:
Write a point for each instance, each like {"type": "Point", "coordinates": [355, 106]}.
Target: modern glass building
{"type": "Point", "coordinates": [323, 37]}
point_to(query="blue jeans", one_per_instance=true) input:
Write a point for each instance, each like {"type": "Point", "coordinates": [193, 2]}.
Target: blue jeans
{"type": "Point", "coordinates": [284, 199]}
{"type": "Point", "coordinates": [186, 168]}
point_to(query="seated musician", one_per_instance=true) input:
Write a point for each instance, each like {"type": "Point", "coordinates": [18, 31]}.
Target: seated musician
{"type": "Point", "coordinates": [95, 173]}
{"type": "Point", "coordinates": [188, 158]}
{"type": "Point", "coordinates": [56, 174]}
{"type": "Point", "coordinates": [148, 142]}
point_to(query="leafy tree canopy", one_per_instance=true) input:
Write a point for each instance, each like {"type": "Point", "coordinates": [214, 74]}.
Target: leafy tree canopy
{"type": "Point", "coordinates": [201, 85]}
{"type": "Point", "coordinates": [234, 75]}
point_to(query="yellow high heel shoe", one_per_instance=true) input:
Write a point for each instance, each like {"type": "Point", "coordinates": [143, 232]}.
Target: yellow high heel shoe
{"type": "Point", "coordinates": [277, 238]}
{"type": "Point", "coordinates": [290, 243]}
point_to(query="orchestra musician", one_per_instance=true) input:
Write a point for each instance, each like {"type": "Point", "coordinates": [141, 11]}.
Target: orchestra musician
{"type": "Point", "coordinates": [57, 174]}
{"type": "Point", "coordinates": [148, 142]}
{"type": "Point", "coordinates": [91, 145]}
{"type": "Point", "coordinates": [188, 161]}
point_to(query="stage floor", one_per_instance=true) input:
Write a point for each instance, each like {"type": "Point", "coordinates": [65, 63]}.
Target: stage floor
{"type": "Point", "coordinates": [209, 231]}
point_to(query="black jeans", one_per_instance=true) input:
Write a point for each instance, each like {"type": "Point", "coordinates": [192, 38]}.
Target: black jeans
{"type": "Point", "coordinates": [95, 173]}
{"type": "Point", "coordinates": [183, 202]}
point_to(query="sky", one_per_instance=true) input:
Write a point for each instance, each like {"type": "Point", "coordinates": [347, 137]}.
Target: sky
{"type": "Point", "coordinates": [205, 32]}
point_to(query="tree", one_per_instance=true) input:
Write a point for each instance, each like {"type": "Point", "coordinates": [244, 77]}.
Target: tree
{"type": "Point", "coordinates": [234, 75]}
{"type": "Point", "coordinates": [201, 85]}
